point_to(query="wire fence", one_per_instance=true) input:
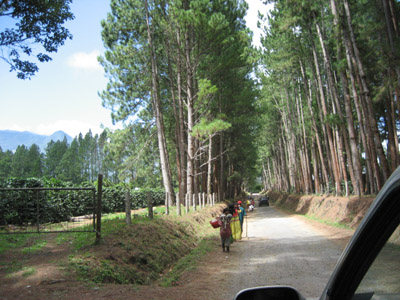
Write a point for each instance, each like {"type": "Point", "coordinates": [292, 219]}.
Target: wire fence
{"type": "Point", "coordinates": [47, 210]}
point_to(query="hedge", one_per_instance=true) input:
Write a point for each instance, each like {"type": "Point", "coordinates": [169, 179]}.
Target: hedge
{"type": "Point", "coordinates": [20, 207]}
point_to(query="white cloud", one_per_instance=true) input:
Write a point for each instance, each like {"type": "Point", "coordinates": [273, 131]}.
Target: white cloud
{"type": "Point", "coordinates": [71, 127]}
{"type": "Point", "coordinates": [86, 61]}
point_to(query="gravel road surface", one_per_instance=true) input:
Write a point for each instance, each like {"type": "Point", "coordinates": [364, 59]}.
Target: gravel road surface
{"type": "Point", "coordinates": [280, 249]}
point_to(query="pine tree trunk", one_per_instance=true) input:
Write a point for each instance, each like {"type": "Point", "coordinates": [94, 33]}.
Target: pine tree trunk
{"type": "Point", "coordinates": [178, 132]}
{"type": "Point", "coordinates": [304, 149]}
{"type": "Point", "coordinates": [196, 164]}
{"type": "Point", "coordinates": [289, 143]}
{"type": "Point", "coordinates": [373, 133]}
{"type": "Point", "coordinates": [221, 168]}
{"type": "Point", "coordinates": [392, 135]}
{"type": "Point", "coordinates": [165, 166]}
{"type": "Point", "coordinates": [354, 157]}
{"type": "Point", "coordinates": [317, 185]}
{"type": "Point", "coordinates": [209, 165]}
{"type": "Point", "coordinates": [181, 141]}
{"type": "Point", "coordinates": [332, 148]}
{"type": "Point", "coordinates": [190, 116]}
{"type": "Point", "coordinates": [392, 32]}
{"type": "Point", "coordinates": [355, 154]}
{"type": "Point", "coordinates": [266, 178]}
{"type": "Point", "coordinates": [315, 128]}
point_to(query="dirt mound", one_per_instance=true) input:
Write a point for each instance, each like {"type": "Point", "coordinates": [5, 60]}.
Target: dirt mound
{"type": "Point", "coordinates": [343, 210]}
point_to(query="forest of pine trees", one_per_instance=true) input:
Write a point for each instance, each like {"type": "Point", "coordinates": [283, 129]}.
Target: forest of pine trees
{"type": "Point", "coordinates": [314, 110]}
{"type": "Point", "coordinates": [330, 89]}
{"type": "Point", "coordinates": [81, 160]}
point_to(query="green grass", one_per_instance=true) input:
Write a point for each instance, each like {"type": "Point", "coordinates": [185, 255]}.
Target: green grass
{"type": "Point", "coordinates": [28, 271]}
{"type": "Point", "coordinates": [36, 247]}
{"type": "Point", "coordinates": [141, 252]}
{"type": "Point", "coordinates": [330, 223]}
{"type": "Point", "coordinates": [110, 223]}
{"type": "Point", "coordinates": [14, 241]}
{"type": "Point", "coordinates": [188, 262]}
{"type": "Point", "coordinates": [79, 239]}
{"type": "Point", "coordinates": [11, 266]}
{"type": "Point", "coordinates": [143, 255]}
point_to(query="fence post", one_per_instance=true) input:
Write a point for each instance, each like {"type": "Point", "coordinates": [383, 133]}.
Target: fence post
{"type": "Point", "coordinates": [37, 212]}
{"type": "Point", "coordinates": [167, 202]}
{"type": "Point", "coordinates": [150, 205]}
{"type": "Point", "coordinates": [178, 204]}
{"type": "Point", "coordinates": [99, 207]}
{"type": "Point", "coordinates": [128, 218]}
{"type": "Point", "coordinates": [94, 209]}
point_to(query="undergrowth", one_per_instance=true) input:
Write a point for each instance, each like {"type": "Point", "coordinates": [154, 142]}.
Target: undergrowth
{"type": "Point", "coordinates": [15, 241]}
{"type": "Point", "coordinates": [330, 223]}
{"type": "Point", "coordinates": [187, 263]}
{"type": "Point", "coordinates": [145, 251]}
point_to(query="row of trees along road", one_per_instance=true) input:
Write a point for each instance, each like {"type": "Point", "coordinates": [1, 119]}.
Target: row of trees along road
{"type": "Point", "coordinates": [315, 110]}
{"type": "Point", "coordinates": [330, 77]}
{"type": "Point", "coordinates": [184, 67]}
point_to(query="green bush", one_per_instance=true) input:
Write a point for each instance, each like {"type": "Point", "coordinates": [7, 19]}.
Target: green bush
{"type": "Point", "coordinates": [20, 207]}
{"type": "Point", "coordinates": [114, 198]}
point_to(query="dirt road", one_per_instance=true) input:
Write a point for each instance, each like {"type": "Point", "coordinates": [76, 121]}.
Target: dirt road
{"type": "Point", "coordinates": [285, 250]}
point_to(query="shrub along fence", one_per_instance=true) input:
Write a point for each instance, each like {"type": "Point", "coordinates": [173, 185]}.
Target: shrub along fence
{"type": "Point", "coordinates": [61, 201]}
{"type": "Point", "coordinates": [39, 209]}
{"type": "Point", "coordinates": [192, 202]}
{"type": "Point", "coordinates": [114, 198]}
{"type": "Point", "coordinates": [38, 205]}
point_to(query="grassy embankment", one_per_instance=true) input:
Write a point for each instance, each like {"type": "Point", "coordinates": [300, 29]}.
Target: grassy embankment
{"type": "Point", "coordinates": [140, 253]}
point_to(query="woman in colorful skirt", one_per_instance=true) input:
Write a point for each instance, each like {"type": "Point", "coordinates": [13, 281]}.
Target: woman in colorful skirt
{"type": "Point", "coordinates": [235, 225]}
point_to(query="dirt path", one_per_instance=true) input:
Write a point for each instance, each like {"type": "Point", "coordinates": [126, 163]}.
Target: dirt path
{"type": "Point", "coordinates": [286, 250]}
{"type": "Point", "coordinates": [277, 249]}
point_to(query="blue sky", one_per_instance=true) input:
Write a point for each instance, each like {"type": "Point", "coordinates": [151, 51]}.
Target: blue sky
{"type": "Point", "coordinates": [63, 95]}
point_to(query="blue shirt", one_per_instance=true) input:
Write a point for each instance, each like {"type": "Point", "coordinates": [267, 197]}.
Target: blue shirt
{"type": "Point", "coordinates": [242, 214]}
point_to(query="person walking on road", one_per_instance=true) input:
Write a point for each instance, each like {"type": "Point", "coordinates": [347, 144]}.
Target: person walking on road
{"type": "Point", "coordinates": [242, 213]}
{"type": "Point", "coordinates": [225, 229]}
{"type": "Point", "coordinates": [235, 223]}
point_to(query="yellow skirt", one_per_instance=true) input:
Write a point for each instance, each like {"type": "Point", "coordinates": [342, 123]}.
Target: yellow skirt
{"type": "Point", "coordinates": [235, 228]}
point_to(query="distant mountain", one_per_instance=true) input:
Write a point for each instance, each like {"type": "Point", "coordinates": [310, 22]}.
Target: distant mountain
{"type": "Point", "coordinates": [10, 139]}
